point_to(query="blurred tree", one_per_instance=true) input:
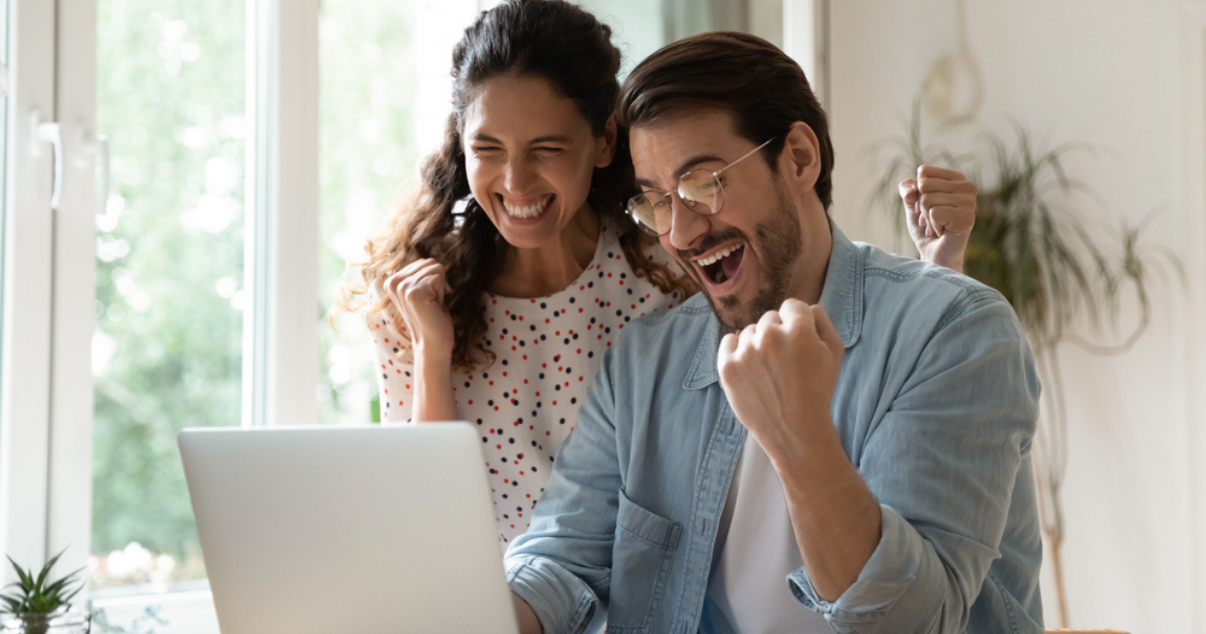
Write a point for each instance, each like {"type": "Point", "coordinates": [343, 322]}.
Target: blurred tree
{"type": "Point", "coordinates": [168, 342]}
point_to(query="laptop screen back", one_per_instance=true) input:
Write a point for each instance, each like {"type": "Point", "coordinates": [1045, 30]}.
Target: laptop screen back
{"type": "Point", "coordinates": [347, 529]}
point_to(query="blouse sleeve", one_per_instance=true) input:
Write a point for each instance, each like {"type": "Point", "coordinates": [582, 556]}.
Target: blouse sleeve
{"type": "Point", "coordinates": [395, 383]}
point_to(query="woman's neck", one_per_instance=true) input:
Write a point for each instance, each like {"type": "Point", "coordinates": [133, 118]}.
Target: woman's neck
{"type": "Point", "coordinates": [552, 267]}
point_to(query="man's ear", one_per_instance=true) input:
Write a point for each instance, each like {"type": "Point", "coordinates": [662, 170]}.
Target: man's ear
{"type": "Point", "coordinates": [802, 156]}
{"type": "Point", "coordinates": [607, 145]}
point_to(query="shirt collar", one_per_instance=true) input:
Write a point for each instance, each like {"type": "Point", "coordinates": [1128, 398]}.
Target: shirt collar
{"type": "Point", "coordinates": [841, 296]}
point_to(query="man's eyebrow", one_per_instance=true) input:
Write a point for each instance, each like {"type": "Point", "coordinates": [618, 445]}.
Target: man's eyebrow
{"type": "Point", "coordinates": [685, 167]}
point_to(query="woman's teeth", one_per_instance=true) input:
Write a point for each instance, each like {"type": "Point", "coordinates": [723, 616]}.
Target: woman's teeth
{"type": "Point", "coordinates": [530, 211]}
{"type": "Point", "coordinates": [718, 256]}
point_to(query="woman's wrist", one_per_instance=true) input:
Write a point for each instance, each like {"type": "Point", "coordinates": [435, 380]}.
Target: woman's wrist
{"type": "Point", "coordinates": [433, 362]}
{"type": "Point", "coordinates": [434, 399]}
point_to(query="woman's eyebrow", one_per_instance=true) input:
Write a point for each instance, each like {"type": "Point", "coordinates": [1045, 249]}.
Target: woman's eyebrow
{"type": "Point", "coordinates": [549, 138]}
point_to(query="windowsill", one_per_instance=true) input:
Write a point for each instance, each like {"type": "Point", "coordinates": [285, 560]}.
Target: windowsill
{"type": "Point", "coordinates": [188, 608]}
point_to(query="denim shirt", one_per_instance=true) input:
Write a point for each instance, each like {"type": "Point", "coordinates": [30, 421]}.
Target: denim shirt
{"type": "Point", "coordinates": [936, 404]}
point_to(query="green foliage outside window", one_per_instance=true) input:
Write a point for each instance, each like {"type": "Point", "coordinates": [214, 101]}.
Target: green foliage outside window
{"type": "Point", "coordinates": [168, 350]}
{"type": "Point", "coordinates": [169, 331]}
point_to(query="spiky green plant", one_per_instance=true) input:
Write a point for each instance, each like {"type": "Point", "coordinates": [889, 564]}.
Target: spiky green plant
{"type": "Point", "coordinates": [1032, 243]}
{"type": "Point", "coordinates": [36, 598]}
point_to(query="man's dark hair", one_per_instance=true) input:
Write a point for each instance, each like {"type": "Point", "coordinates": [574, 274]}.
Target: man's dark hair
{"type": "Point", "coordinates": [764, 89]}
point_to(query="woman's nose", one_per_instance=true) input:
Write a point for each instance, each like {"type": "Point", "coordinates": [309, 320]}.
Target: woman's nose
{"type": "Point", "coordinates": [518, 174]}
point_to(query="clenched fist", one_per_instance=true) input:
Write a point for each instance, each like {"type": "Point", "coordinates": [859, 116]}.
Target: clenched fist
{"type": "Point", "coordinates": [940, 210]}
{"type": "Point", "coordinates": [418, 291]}
{"type": "Point", "coordinates": [779, 374]}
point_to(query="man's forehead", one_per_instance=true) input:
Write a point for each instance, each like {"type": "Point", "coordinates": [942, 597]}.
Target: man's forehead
{"type": "Point", "coordinates": [662, 147]}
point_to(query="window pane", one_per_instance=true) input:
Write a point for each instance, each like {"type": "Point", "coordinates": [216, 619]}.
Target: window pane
{"type": "Point", "coordinates": [167, 350]}
{"type": "Point", "coordinates": [384, 98]}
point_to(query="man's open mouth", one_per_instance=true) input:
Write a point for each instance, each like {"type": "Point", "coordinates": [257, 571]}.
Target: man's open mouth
{"type": "Point", "coordinates": [723, 264]}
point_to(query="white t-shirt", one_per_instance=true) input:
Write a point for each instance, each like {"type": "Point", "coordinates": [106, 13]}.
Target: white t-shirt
{"type": "Point", "coordinates": [757, 551]}
{"type": "Point", "coordinates": [548, 350]}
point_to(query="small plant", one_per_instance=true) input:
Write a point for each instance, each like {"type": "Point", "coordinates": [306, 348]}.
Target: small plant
{"type": "Point", "coordinates": [36, 599]}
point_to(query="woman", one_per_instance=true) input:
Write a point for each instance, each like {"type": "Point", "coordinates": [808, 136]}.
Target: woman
{"type": "Point", "coordinates": [505, 279]}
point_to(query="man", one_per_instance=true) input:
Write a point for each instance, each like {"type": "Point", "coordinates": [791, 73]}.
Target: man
{"type": "Point", "coordinates": [840, 442]}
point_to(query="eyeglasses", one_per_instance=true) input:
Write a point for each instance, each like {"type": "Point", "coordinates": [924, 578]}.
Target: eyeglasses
{"type": "Point", "coordinates": [700, 190]}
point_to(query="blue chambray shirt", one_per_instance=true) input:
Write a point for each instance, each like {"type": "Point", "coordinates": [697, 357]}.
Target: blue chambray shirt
{"type": "Point", "coordinates": [936, 405]}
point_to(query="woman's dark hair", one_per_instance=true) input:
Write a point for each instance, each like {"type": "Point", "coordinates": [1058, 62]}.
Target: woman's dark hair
{"type": "Point", "coordinates": [764, 89]}
{"type": "Point", "coordinates": [564, 45]}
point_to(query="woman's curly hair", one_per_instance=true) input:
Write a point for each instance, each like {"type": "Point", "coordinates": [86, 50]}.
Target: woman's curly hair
{"type": "Point", "coordinates": [556, 41]}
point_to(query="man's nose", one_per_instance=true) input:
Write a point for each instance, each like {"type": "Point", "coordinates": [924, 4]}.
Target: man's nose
{"type": "Point", "coordinates": [686, 226]}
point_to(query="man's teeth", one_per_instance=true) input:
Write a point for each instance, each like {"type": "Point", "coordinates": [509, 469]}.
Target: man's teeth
{"type": "Point", "coordinates": [530, 211]}
{"type": "Point", "coordinates": [716, 257]}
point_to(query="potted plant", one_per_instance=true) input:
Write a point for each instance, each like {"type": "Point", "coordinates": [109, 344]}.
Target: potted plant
{"type": "Point", "coordinates": [38, 605]}
{"type": "Point", "coordinates": [1032, 242]}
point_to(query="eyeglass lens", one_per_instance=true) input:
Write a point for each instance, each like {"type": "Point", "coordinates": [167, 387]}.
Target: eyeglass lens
{"type": "Point", "coordinates": [699, 190]}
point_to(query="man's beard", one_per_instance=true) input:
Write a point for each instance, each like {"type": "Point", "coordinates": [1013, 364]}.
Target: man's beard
{"type": "Point", "coordinates": [778, 242]}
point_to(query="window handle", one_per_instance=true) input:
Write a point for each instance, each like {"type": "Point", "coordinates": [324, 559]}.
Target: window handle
{"type": "Point", "coordinates": [98, 146]}
{"type": "Point", "coordinates": [48, 132]}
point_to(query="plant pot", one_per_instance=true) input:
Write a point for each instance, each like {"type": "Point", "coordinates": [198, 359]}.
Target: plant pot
{"type": "Point", "coordinates": [73, 622]}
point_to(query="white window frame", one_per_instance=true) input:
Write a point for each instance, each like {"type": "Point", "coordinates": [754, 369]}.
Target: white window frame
{"type": "Point", "coordinates": [25, 393]}
{"type": "Point", "coordinates": [46, 395]}
{"type": "Point", "coordinates": [280, 367]}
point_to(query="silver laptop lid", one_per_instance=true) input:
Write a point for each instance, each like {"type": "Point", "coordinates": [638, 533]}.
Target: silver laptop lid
{"type": "Point", "coordinates": [347, 529]}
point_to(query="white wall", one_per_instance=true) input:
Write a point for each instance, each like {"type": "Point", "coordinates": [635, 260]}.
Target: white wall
{"type": "Point", "coordinates": [1121, 75]}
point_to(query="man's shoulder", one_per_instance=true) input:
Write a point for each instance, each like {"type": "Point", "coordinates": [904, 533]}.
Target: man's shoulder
{"type": "Point", "coordinates": [916, 283]}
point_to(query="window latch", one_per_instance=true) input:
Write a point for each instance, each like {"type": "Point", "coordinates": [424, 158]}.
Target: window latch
{"type": "Point", "coordinates": [48, 132]}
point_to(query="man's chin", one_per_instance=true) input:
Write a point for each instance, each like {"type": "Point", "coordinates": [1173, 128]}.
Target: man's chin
{"type": "Point", "coordinates": [733, 314]}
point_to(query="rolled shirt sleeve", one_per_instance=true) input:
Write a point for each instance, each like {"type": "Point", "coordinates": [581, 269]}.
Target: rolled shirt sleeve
{"type": "Point", "coordinates": [943, 462]}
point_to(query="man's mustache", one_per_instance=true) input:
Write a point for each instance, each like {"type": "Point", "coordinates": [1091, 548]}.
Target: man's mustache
{"type": "Point", "coordinates": [712, 241]}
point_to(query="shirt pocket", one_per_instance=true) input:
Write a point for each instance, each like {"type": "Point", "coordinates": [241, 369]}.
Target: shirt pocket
{"type": "Point", "coordinates": [641, 560]}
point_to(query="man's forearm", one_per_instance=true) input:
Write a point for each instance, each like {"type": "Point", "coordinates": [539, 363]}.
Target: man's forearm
{"type": "Point", "coordinates": [835, 518]}
{"type": "Point", "coordinates": [526, 617]}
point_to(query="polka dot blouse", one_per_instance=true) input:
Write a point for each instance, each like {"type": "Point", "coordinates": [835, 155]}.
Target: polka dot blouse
{"type": "Point", "coordinates": [548, 349]}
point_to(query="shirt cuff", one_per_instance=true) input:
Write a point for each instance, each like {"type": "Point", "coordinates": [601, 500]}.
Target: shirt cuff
{"type": "Point", "coordinates": [886, 577]}
{"type": "Point", "coordinates": [563, 603]}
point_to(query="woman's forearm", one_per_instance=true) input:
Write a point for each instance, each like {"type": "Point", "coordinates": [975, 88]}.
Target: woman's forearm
{"type": "Point", "coordinates": [433, 396]}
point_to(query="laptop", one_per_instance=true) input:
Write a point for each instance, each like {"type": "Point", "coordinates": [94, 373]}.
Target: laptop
{"type": "Point", "coordinates": [347, 529]}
